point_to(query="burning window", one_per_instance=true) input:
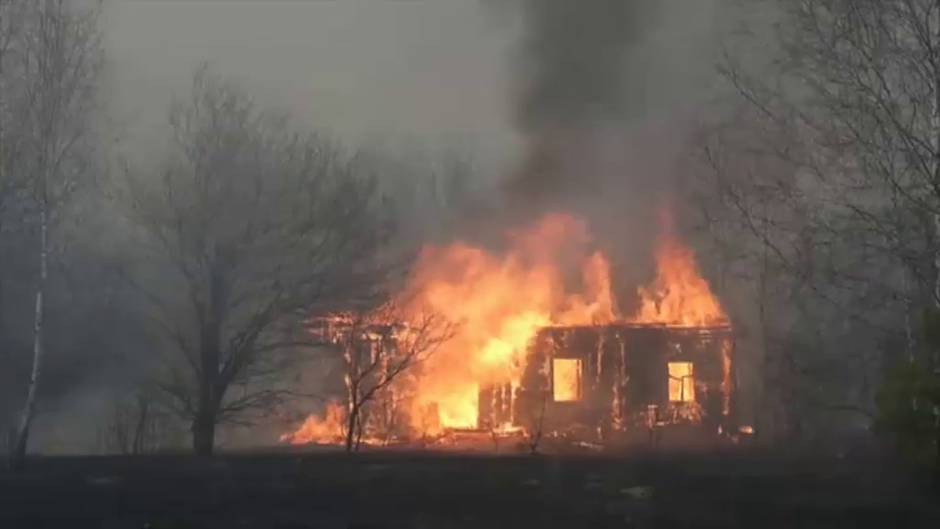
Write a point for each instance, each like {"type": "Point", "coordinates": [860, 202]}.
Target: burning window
{"type": "Point", "coordinates": [566, 379]}
{"type": "Point", "coordinates": [681, 382]}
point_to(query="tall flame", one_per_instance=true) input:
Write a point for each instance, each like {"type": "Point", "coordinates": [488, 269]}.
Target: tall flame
{"type": "Point", "coordinates": [500, 303]}
{"type": "Point", "coordinates": [679, 295]}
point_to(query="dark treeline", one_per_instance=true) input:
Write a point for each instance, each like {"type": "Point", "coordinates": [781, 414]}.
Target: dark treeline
{"type": "Point", "coordinates": [817, 192]}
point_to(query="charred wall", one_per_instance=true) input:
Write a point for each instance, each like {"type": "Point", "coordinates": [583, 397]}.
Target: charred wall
{"type": "Point", "coordinates": [629, 377]}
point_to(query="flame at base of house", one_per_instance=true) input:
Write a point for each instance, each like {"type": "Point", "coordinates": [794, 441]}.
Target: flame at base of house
{"type": "Point", "coordinates": [537, 357]}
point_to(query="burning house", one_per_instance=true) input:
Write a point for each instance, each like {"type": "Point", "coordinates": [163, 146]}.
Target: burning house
{"type": "Point", "coordinates": [538, 352]}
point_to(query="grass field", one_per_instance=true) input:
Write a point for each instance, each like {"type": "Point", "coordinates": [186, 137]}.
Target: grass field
{"type": "Point", "coordinates": [400, 490]}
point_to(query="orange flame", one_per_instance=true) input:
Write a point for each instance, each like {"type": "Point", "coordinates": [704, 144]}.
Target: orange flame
{"type": "Point", "coordinates": [679, 295]}
{"type": "Point", "coordinates": [566, 379]}
{"type": "Point", "coordinates": [501, 302]}
{"type": "Point", "coordinates": [329, 430]}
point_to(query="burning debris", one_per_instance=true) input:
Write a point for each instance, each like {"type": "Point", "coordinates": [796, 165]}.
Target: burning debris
{"type": "Point", "coordinates": [532, 353]}
{"type": "Point", "coordinates": [314, 430]}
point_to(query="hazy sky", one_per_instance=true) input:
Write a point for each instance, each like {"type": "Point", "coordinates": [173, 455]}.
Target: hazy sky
{"type": "Point", "coordinates": [432, 71]}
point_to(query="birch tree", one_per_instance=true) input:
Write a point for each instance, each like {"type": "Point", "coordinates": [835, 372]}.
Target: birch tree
{"type": "Point", "coordinates": [50, 72]}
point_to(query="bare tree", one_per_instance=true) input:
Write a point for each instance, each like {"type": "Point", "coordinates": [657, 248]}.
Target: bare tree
{"type": "Point", "coordinates": [379, 347]}
{"type": "Point", "coordinates": [258, 225]}
{"type": "Point", "coordinates": [136, 424]}
{"type": "Point", "coordinates": [50, 74]}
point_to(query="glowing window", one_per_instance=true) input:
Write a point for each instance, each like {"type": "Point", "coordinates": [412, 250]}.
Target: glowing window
{"type": "Point", "coordinates": [566, 379]}
{"type": "Point", "coordinates": [681, 382]}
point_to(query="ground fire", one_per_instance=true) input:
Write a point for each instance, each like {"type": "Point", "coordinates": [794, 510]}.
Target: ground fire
{"type": "Point", "coordinates": [539, 351]}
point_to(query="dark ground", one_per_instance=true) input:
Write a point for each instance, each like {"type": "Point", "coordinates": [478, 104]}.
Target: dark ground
{"type": "Point", "coordinates": [395, 490]}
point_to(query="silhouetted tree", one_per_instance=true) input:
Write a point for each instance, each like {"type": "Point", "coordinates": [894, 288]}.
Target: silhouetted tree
{"type": "Point", "coordinates": [258, 224]}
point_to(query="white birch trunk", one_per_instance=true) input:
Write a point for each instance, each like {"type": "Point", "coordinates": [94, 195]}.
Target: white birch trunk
{"type": "Point", "coordinates": [29, 408]}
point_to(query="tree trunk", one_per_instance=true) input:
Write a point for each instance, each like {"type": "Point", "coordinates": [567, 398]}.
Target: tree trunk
{"type": "Point", "coordinates": [351, 424]}
{"type": "Point", "coordinates": [536, 436]}
{"type": "Point", "coordinates": [204, 433]}
{"type": "Point", "coordinates": [934, 361]}
{"type": "Point", "coordinates": [140, 429]}
{"type": "Point", "coordinates": [763, 413]}
{"type": "Point", "coordinates": [359, 430]}
{"type": "Point", "coordinates": [18, 452]}
{"type": "Point", "coordinates": [210, 389]}
{"type": "Point", "coordinates": [936, 468]}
